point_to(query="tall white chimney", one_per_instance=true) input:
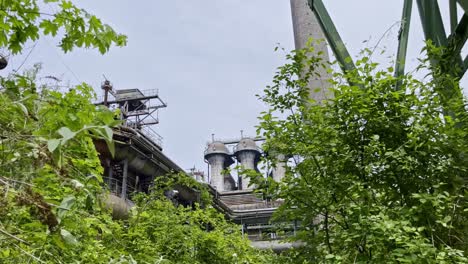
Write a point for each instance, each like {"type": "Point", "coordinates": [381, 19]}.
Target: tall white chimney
{"type": "Point", "coordinates": [305, 26]}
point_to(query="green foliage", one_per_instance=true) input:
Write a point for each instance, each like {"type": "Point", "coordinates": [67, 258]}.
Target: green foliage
{"type": "Point", "coordinates": [49, 190]}
{"type": "Point", "coordinates": [175, 180]}
{"type": "Point", "coordinates": [183, 235]}
{"type": "Point", "coordinates": [51, 196]}
{"type": "Point", "coordinates": [25, 20]}
{"type": "Point", "coordinates": [51, 208]}
{"type": "Point", "coordinates": [376, 174]}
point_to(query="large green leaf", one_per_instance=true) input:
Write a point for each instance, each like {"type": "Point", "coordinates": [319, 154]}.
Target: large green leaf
{"type": "Point", "coordinates": [52, 144]}
{"type": "Point", "coordinates": [66, 134]}
{"type": "Point", "coordinates": [68, 237]}
{"type": "Point", "coordinates": [66, 205]}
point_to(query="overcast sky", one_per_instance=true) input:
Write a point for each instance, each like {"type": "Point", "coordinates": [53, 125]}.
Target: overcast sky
{"type": "Point", "coordinates": [209, 58]}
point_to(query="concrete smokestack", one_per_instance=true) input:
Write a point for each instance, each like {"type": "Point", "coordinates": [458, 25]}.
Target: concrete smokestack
{"type": "Point", "coordinates": [247, 153]}
{"type": "Point", "coordinates": [305, 26]}
{"type": "Point", "coordinates": [219, 159]}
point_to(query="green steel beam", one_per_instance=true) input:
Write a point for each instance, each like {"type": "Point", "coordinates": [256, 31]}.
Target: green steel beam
{"type": "Point", "coordinates": [433, 27]}
{"type": "Point", "coordinates": [431, 21]}
{"type": "Point", "coordinates": [403, 40]}
{"type": "Point", "coordinates": [332, 36]}
{"type": "Point", "coordinates": [457, 40]}
{"type": "Point", "coordinates": [465, 64]}
{"type": "Point", "coordinates": [463, 4]}
{"type": "Point", "coordinates": [453, 15]}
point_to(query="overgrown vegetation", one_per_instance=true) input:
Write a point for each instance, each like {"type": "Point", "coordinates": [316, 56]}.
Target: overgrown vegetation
{"type": "Point", "coordinates": [376, 174]}
{"type": "Point", "coordinates": [51, 194]}
{"type": "Point", "coordinates": [26, 20]}
{"type": "Point", "coordinates": [51, 203]}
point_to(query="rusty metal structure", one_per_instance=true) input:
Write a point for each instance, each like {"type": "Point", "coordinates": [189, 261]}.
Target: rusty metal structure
{"type": "Point", "coordinates": [138, 158]}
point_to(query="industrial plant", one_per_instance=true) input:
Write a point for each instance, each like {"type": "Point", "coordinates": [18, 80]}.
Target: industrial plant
{"type": "Point", "coordinates": [352, 161]}
{"type": "Point", "coordinates": [139, 158]}
{"type": "Point", "coordinates": [238, 199]}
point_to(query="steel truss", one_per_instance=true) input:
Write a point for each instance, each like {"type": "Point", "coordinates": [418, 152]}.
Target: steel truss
{"type": "Point", "coordinates": [431, 20]}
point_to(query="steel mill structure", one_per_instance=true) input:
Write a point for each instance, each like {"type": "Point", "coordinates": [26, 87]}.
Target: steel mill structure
{"type": "Point", "coordinates": [237, 199]}
{"type": "Point", "coordinates": [139, 158]}
{"type": "Point", "coordinates": [219, 158]}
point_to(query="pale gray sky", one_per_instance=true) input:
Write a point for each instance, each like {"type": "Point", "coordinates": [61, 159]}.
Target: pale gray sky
{"type": "Point", "coordinates": [209, 58]}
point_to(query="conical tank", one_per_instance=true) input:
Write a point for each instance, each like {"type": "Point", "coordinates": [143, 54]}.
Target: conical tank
{"type": "Point", "coordinates": [248, 154]}
{"type": "Point", "coordinates": [219, 158]}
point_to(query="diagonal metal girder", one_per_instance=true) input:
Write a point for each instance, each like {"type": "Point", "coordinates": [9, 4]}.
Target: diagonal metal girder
{"type": "Point", "coordinates": [457, 40]}
{"type": "Point", "coordinates": [431, 21]}
{"type": "Point", "coordinates": [332, 36]}
{"type": "Point", "coordinates": [453, 15]}
{"type": "Point", "coordinates": [403, 40]}
{"type": "Point", "coordinates": [465, 64]}
{"type": "Point", "coordinates": [463, 4]}
{"type": "Point", "coordinates": [433, 27]}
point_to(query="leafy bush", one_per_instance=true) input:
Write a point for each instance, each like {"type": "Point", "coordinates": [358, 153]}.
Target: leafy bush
{"type": "Point", "coordinates": [376, 174]}
{"type": "Point", "coordinates": [51, 177]}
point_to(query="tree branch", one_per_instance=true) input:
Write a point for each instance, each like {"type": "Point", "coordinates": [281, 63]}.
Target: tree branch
{"type": "Point", "coordinates": [14, 237]}
{"type": "Point", "coordinates": [330, 251]}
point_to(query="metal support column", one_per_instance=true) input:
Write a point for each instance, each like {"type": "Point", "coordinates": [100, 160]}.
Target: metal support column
{"type": "Point", "coordinates": [111, 176]}
{"type": "Point", "coordinates": [453, 15]}
{"type": "Point", "coordinates": [431, 21]}
{"type": "Point", "coordinates": [462, 31]}
{"type": "Point", "coordinates": [450, 62]}
{"type": "Point", "coordinates": [123, 195]}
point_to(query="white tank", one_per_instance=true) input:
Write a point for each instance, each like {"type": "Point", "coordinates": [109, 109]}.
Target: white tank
{"type": "Point", "coordinates": [248, 154]}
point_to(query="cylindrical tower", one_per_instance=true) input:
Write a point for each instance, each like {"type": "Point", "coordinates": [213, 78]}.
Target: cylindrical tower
{"type": "Point", "coordinates": [247, 153]}
{"type": "Point", "coordinates": [218, 157]}
{"type": "Point", "coordinates": [305, 26]}
{"type": "Point", "coordinates": [229, 183]}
